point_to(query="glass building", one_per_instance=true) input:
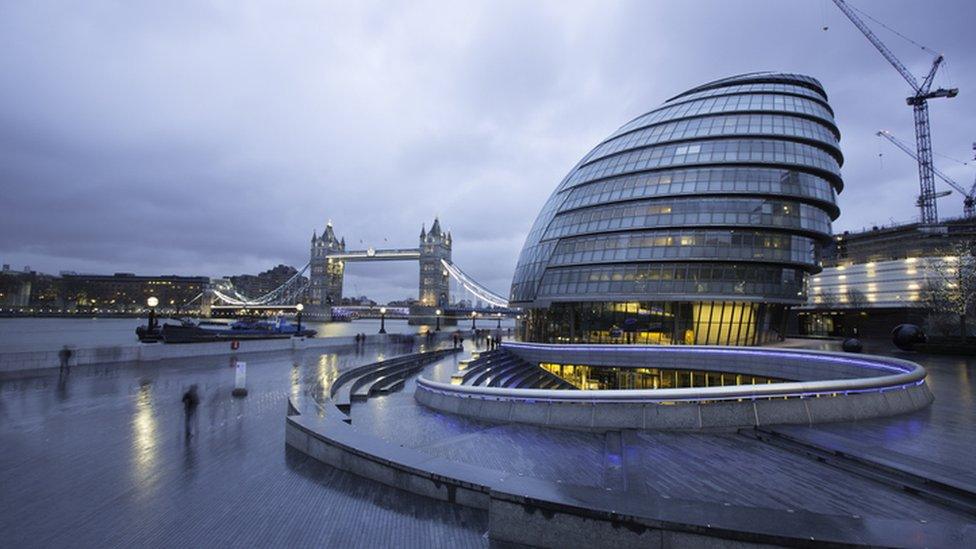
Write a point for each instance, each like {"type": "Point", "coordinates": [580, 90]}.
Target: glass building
{"type": "Point", "coordinates": [694, 223]}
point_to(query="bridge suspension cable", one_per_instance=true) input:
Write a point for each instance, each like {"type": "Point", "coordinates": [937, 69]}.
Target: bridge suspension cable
{"type": "Point", "coordinates": [473, 286]}
{"type": "Point", "coordinates": [287, 293]}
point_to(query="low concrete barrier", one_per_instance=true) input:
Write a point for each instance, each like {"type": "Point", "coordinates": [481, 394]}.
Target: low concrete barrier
{"type": "Point", "coordinates": [833, 387]}
{"type": "Point", "coordinates": [18, 363]}
{"type": "Point", "coordinates": [548, 514]}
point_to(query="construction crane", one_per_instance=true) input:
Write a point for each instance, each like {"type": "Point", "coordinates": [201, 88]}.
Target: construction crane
{"type": "Point", "coordinates": [919, 103]}
{"type": "Point", "coordinates": [972, 190]}
{"type": "Point", "coordinates": [968, 201]}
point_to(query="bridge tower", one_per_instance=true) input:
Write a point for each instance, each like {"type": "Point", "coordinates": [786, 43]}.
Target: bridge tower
{"type": "Point", "coordinates": [435, 289]}
{"type": "Point", "coordinates": [325, 275]}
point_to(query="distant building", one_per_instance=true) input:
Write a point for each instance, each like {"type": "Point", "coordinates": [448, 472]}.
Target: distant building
{"type": "Point", "coordinates": [29, 290]}
{"type": "Point", "coordinates": [15, 288]}
{"type": "Point", "coordinates": [360, 301]}
{"type": "Point", "coordinates": [254, 286]}
{"type": "Point", "coordinates": [695, 223]}
{"type": "Point", "coordinates": [874, 280]}
{"type": "Point", "coordinates": [127, 292]}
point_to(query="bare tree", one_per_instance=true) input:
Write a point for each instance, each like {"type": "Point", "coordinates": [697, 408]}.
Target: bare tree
{"type": "Point", "coordinates": [828, 300]}
{"type": "Point", "coordinates": [951, 289]}
{"type": "Point", "coordinates": [856, 301]}
{"type": "Point", "coordinates": [856, 298]}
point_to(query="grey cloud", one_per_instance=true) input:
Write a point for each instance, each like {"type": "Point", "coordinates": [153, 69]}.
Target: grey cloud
{"type": "Point", "coordinates": [212, 138]}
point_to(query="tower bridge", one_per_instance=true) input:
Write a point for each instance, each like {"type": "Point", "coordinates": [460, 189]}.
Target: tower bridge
{"type": "Point", "coordinates": [328, 258]}
{"type": "Point", "coordinates": [321, 291]}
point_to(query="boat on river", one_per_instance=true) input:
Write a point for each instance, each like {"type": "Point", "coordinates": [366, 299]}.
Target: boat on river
{"type": "Point", "coordinates": [203, 331]}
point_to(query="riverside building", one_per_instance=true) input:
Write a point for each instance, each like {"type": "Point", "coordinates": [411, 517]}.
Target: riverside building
{"type": "Point", "coordinates": [876, 279]}
{"type": "Point", "coordinates": [695, 223]}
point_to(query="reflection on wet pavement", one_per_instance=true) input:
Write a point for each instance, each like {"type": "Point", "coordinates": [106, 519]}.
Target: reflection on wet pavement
{"type": "Point", "coordinates": [99, 457]}
{"type": "Point", "coordinates": [711, 466]}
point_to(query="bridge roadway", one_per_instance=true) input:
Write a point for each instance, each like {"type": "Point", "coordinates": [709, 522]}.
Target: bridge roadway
{"type": "Point", "coordinates": [394, 254]}
{"type": "Point", "coordinates": [100, 459]}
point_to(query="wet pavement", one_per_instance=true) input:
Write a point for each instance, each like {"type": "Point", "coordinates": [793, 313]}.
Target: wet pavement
{"type": "Point", "coordinates": [722, 466]}
{"type": "Point", "coordinates": [941, 436]}
{"type": "Point", "coordinates": [100, 458]}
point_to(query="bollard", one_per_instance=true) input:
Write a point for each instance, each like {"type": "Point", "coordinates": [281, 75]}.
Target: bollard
{"type": "Point", "coordinates": [240, 378]}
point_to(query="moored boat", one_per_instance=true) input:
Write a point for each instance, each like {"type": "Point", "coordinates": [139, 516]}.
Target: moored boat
{"type": "Point", "coordinates": [197, 332]}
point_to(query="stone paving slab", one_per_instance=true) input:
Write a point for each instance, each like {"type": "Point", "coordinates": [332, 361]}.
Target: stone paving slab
{"type": "Point", "coordinates": [944, 434]}
{"type": "Point", "coordinates": [939, 472]}
{"type": "Point", "coordinates": [101, 460]}
{"type": "Point", "coordinates": [708, 467]}
{"type": "Point", "coordinates": [530, 451]}
{"type": "Point", "coordinates": [728, 468]}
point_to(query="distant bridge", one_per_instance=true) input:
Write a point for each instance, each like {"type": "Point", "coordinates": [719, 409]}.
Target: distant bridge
{"type": "Point", "coordinates": [321, 290]}
{"type": "Point", "coordinates": [370, 254]}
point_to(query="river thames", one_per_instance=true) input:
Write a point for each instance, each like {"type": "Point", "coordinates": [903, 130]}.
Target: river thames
{"type": "Point", "coordinates": [44, 334]}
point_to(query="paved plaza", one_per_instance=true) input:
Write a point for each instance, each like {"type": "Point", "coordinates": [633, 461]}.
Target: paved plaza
{"type": "Point", "coordinates": [719, 466]}
{"type": "Point", "coordinates": [100, 458]}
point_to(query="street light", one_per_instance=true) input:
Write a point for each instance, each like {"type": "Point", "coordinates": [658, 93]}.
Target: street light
{"type": "Point", "coordinates": [474, 314]}
{"type": "Point", "coordinates": [152, 302]}
{"type": "Point", "coordinates": [438, 312]}
{"type": "Point", "coordinates": [382, 320]}
{"type": "Point", "coordinates": [499, 321]}
{"type": "Point", "coordinates": [299, 308]}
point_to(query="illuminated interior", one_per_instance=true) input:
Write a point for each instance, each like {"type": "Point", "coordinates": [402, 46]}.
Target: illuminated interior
{"type": "Point", "coordinates": [599, 377]}
{"type": "Point", "coordinates": [651, 323]}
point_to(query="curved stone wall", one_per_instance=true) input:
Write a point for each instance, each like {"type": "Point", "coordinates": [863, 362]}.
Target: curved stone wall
{"type": "Point", "coordinates": [829, 387]}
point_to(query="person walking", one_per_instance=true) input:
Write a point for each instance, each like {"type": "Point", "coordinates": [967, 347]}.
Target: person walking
{"type": "Point", "coordinates": [191, 399]}
{"type": "Point", "coordinates": [64, 355]}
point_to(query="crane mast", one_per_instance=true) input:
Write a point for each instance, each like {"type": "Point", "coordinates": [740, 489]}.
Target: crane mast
{"type": "Point", "coordinates": [971, 204]}
{"type": "Point", "coordinates": [969, 197]}
{"type": "Point", "coordinates": [919, 103]}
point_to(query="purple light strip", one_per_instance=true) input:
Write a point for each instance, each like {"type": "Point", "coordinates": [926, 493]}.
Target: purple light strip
{"type": "Point", "coordinates": [889, 367]}
{"type": "Point", "coordinates": [533, 400]}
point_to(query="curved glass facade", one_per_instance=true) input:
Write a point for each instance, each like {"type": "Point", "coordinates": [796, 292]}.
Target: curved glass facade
{"type": "Point", "coordinates": [729, 125]}
{"type": "Point", "coordinates": [694, 223]}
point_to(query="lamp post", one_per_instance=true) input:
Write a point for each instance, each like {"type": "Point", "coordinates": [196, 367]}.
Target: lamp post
{"type": "Point", "coordinates": [152, 302]}
{"type": "Point", "coordinates": [382, 320]}
{"type": "Point", "coordinates": [438, 313]}
{"type": "Point", "coordinates": [499, 326]}
{"type": "Point", "coordinates": [474, 315]}
{"type": "Point", "coordinates": [298, 317]}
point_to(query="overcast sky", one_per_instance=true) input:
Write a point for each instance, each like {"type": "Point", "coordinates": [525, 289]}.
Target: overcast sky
{"type": "Point", "coordinates": [213, 138]}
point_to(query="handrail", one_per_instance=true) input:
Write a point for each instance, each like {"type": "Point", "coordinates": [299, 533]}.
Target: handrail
{"type": "Point", "coordinates": [907, 373]}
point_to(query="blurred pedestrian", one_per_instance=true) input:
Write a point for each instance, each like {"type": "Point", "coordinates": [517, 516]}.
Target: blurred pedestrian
{"type": "Point", "coordinates": [191, 399]}
{"type": "Point", "coordinates": [64, 355]}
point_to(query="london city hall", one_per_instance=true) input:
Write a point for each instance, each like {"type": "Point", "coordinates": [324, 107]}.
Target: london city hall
{"type": "Point", "coordinates": [694, 223]}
